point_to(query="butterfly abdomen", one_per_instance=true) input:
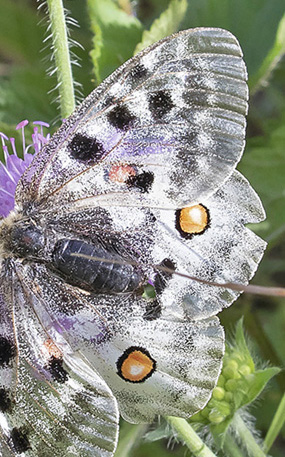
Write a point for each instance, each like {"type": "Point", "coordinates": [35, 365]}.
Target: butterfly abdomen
{"type": "Point", "coordinates": [94, 268]}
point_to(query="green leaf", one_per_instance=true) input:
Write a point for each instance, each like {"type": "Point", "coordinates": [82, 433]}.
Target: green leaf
{"type": "Point", "coordinates": [96, 52]}
{"type": "Point", "coordinates": [116, 34]}
{"type": "Point", "coordinates": [165, 25]}
{"type": "Point", "coordinates": [255, 384]}
{"type": "Point", "coordinates": [24, 96]}
{"type": "Point", "coordinates": [264, 166]}
{"type": "Point", "coordinates": [21, 38]}
{"type": "Point", "coordinates": [254, 23]}
{"type": "Point", "coordinates": [261, 77]}
{"type": "Point", "coordinates": [248, 387]}
{"type": "Point", "coordinates": [23, 81]}
{"type": "Point", "coordinates": [218, 431]}
{"type": "Point", "coordinates": [130, 437]}
{"type": "Point", "coordinates": [159, 433]}
{"type": "Point", "coordinates": [149, 292]}
{"type": "Point", "coordinates": [240, 342]}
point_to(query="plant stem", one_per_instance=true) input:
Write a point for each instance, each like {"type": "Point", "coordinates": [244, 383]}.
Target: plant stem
{"type": "Point", "coordinates": [231, 448]}
{"type": "Point", "coordinates": [246, 437]}
{"type": "Point", "coordinates": [186, 433]}
{"type": "Point", "coordinates": [62, 57]}
{"type": "Point", "coordinates": [275, 426]}
{"type": "Point", "coordinates": [130, 440]}
{"type": "Point", "coordinates": [268, 351]}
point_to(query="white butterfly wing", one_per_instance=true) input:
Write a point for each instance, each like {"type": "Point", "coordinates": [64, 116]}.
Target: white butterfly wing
{"type": "Point", "coordinates": [186, 360]}
{"type": "Point", "coordinates": [154, 366]}
{"type": "Point", "coordinates": [224, 251]}
{"type": "Point", "coordinates": [165, 129]}
{"type": "Point", "coordinates": [59, 406]}
{"type": "Point", "coordinates": [8, 349]}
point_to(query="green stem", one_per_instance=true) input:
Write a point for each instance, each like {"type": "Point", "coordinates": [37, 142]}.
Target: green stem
{"type": "Point", "coordinates": [130, 440]}
{"type": "Point", "coordinates": [186, 433]}
{"type": "Point", "coordinates": [275, 426]}
{"type": "Point", "coordinates": [257, 332]}
{"type": "Point", "coordinates": [231, 448]}
{"type": "Point", "coordinates": [246, 437]}
{"type": "Point", "coordinates": [62, 57]}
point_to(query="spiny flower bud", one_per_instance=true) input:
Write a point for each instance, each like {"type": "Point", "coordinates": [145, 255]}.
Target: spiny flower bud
{"type": "Point", "coordinates": [238, 385]}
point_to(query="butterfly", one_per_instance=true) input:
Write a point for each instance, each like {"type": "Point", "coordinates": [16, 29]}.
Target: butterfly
{"type": "Point", "coordinates": [142, 174]}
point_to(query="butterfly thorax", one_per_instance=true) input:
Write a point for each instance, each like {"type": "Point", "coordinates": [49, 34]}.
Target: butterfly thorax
{"type": "Point", "coordinates": [20, 237]}
{"type": "Point", "coordinates": [91, 265]}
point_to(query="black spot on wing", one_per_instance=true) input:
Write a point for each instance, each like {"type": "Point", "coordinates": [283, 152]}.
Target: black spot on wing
{"type": "Point", "coordinates": [160, 103]}
{"type": "Point", "coordinates": [56, 370]}
{"type": "Point", "coordinates": [86, 149]}
{"type": "Point", "coordinates": [142, 181]}
{"type": "Point", "coordinates": [5, 401]}
{"type": "Point", "coordinates": [246, 270]}
{"type": "Point", "coordinates": [226, 249]}
{"type": "Point", "coordinates": [120, 117]}
{"type": "Point", "coordinates": [151, 217]}
{"type": "Point", "coordinates": [162, 277]}
{"type": "Point", "coordinates": [7, 351]}
{"type": "Point", "coordinates": [186, 162]}
{"type": "Point", "coordinates": [139, 72]}
{"type": "Point", "coordinates": [20, 440]}
{"type": "Point", "coordinates": [152, 311]}
{"type": "Point", "coordinates": [211, 271]}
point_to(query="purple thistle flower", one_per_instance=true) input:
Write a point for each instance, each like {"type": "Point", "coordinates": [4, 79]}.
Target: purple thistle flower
{"type": "Point", "coordinates": [13, 167]}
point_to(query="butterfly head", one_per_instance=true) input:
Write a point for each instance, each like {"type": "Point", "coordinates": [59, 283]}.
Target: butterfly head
{"type": "Point", "coordinates": [20, 236]}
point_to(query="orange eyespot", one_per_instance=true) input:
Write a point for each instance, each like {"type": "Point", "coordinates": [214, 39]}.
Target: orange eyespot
{"type": "Point", "coordinates": [121, 173]}
{"type": "Point", "coordinates": [135, 365]}
{"type": "Point", "coordinates": [193, 219]}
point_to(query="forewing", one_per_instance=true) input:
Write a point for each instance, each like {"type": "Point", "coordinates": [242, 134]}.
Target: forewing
{"type": "Point", "coordinates": [60, 405]}
{"type": "Point", "coordinates": [165, 129]}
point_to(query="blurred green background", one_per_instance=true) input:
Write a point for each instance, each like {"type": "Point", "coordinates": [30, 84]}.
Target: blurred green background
{"type": "Point", "coordinates": [27, 92]}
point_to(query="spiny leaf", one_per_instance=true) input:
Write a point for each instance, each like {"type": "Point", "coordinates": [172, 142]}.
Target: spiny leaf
{"type": "Point", "coordinates": [21, 39]}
